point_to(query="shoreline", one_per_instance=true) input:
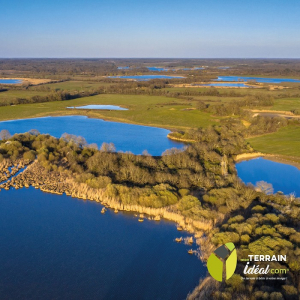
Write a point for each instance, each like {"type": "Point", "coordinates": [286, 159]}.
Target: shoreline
{"type": "Point", "coordinates": [59, 183]}
{"type": "Point", "coordinates": [32, 81]}
{"type": "Point", "coordinates": [288, 160]}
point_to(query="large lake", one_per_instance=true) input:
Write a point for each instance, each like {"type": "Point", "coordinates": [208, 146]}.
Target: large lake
{"type": "Point", "coordinates": [283, 177]}
{"type": "Point", "coordinates": [258, 79]}
{"type": "Point", "coordinates": [146, 77]}
{"type": "Point", "coordinates": [10, 81]}
{"type": "Point", "coordinates": [57, 247]}
{"type": "Point", "coordinates": [126, 137]}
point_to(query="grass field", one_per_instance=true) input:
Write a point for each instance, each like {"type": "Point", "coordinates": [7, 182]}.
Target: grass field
{"type": "Point", "coordinates": [147, 110]}
{"type": "Point", "coordinates": [287, 104]}
{"type": "Point", "coordinates": [76, 85]}
{"type": "Point", "coordinates": [284, 142]}
{"type": "Point", "coordinates": [25, 94]}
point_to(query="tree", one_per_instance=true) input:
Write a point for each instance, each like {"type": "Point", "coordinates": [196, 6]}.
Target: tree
{"type": "Point", "coordinates": [264, 187]}
{"type": "Point", "coordinates": [4, 134]}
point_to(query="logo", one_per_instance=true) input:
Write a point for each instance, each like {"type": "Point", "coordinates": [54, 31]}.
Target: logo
{"type": "Point", "coordinates": [222, 263]}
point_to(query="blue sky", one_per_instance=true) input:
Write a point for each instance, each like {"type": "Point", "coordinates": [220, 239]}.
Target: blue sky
{"type": "Point", "coordinates": [115, 28]}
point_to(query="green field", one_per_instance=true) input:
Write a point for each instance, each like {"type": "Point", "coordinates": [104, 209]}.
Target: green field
{"type": "Point", "coordinates": [76, 85]}
{"type": "Point", "coordinates": [287, 104]}
{"type": "Point", "coordinates": [147, 110]}
{"type": "Point", "coordinates": [284, 142]}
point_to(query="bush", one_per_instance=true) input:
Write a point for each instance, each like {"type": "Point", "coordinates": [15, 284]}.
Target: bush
{"type": "Point", "coordinates": [245, 239]}
{"type": "Point", "coordinates": [258, 209]}
{"type": "Point", "coordinates": [188, 202]}
{"type": "Point", "coordinates": [226, 237]}
{"type": "Point", "coordinates": [276, 296]}
{"type": "Point", "coordinates": [290, 292]}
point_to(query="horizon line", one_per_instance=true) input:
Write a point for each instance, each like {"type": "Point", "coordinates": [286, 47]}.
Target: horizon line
{"type": "Point", "coordinates": [205, 58]}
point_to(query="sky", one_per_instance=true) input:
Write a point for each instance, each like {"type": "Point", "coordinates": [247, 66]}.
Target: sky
{"type": "Point", "coordinates": [156, 28]}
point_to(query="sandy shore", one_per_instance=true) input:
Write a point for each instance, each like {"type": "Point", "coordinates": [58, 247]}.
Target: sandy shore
{"type": "Point", "coordinates": [289, 160]}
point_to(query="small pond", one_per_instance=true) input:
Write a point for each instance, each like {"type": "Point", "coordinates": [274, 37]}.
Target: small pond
{"type": "Point", "coordinates": [10, 81]}
{"type": "Point", "coordinates": [257, 79]}
{"type": "Point", "coordinates": [225, 84]}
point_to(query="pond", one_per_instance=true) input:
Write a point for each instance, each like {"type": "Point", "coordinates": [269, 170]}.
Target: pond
{"type": "Point", "coordinates": [101, 107]}
{"type": "Point", "coordinates": [146, 77]}
{"type": "Point", "coordinates": [57, 247]}
{"type": "Point", "coordinates": [257, 79]}
{"type": "Point", "coordinates": [126, 137]}
{"type": "Point", "coordinates": [226, 85]}
{"type": "Point", "coordinates": [157, 69]}
{"type": "Point", "coordinates": [10, 81]}
{"type": "Point", "coordinates": [283, 177]}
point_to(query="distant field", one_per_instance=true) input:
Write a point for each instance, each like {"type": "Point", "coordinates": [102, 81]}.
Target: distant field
{"type": "Point", "coordinates": [287, 104]}
{"type": "Point", "coordinates": [76, 85]}
{"type": "Point", "coordinates": [284, 142]}
{"type": "Point", "coordinates": [8, 95]}
{"type": "Point", "coordinates": [147, 110]}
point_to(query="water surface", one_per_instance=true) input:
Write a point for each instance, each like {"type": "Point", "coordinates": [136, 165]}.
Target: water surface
{"type": "Point", "coordinates": [283, 177]}
{"type": "Point", "coordinates": [146, 77]}
{"type": "Point", "coordinates": [10, 81]}
{"type": "Point", "coordinates": [57, 247]}
{"type": "Point", "coordinates": [101, 107]}
{"type": "Point", "coordinates": [226, 85]}
{"type": "Point", "coordinates": [157, 69]}
{"type": "Point", "coordinates": [258, 79]}
{"type": "Point", "coordinates": [126, 137]}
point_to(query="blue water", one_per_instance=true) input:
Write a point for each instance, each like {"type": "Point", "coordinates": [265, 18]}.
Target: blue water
{"type": "Point", "coordinates": [9, 81]}
{"type": "Point", "coordinates": [123, 68]}
{"type": "Point", "coordinates": [106, 107]}
{"type": "Point", "coordinates": [226, 84]}
{"type": "Point", "coordinates": [126, 137]}
{"type": "Point", "coordinates": [258, 79]}
{"type": "Point", "coordinates": [57, 247]}
{"type": "Point", "coordinates": [146, 77]}
{"type": "Point", "coordinates": [283, 177]}
{"type": "Point", "coordinates": [156, 69]}
{"type": "Point", "coordinates": [189, 69]}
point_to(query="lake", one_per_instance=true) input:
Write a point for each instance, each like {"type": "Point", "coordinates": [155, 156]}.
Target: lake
{"type": "Point", "coordinates": [10, 81]}
{"type": "Point", "coordinates": [58, 247]}
{"type": "Point", "coordinates": [101, 107]}
{"type": "Point", "coordinates": [283, 177]}
{"type": "Point", "coordinates": [126, 137]}
{"type": "Point", "coordinates": [257, 79]}
{"type": "Point", "coordinates": [146, 77]}
{"type": "Point", "coordinates": [226, 85]}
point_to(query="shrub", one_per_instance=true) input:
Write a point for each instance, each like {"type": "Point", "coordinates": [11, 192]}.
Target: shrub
{"type": "Point", "coordinates": [30, 155]}
{"type": "Point", "coordinates": [226, 237]}
{"type": "Point", "coordinates": [245, 239]}
{"type": "Point", "coordinates": [188, 202]}
{"type": "Point", "coordinates": [236, 219]}
{"type": "Point", "coordinates": [258, 209]}
{"type": "Point", "coordinates": [290, 292]}
{"type": "Point", "coordinates": [276, 296]}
